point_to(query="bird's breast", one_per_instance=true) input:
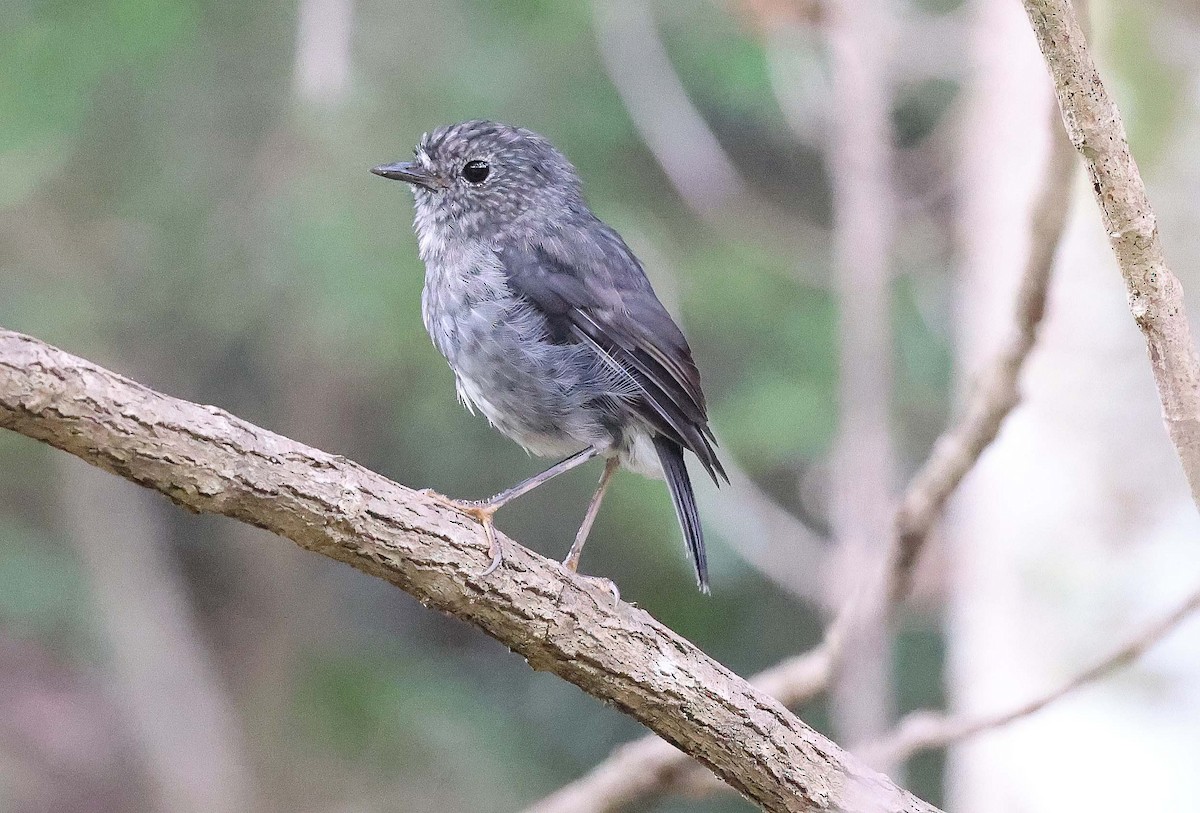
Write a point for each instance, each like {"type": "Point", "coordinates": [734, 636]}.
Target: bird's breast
{"type": "Point", "coordinates": [553, 398]}
{"type": "Point", "coordinates": [466, 297]}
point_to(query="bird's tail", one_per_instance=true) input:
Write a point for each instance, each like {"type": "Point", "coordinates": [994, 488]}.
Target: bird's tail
{"type": "Point", "coordinates": [670, 455]}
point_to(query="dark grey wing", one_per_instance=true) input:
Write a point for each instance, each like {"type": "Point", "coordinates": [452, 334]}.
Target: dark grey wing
{"type": "Point", "coordinates": [590, 288]}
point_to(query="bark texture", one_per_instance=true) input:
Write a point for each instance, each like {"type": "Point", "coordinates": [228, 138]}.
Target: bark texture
{"type": "Point", "coordinates": [209, 461]}
{"type": "Point", "coordinates": [1155, 295]}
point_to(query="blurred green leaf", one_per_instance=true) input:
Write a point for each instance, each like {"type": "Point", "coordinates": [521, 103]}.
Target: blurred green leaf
{"type": "Point", "coordinates": [41, 589]}
{"type": "Point", "coordinates": [53, 56]}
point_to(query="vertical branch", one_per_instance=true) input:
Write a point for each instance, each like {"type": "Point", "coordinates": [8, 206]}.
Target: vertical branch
{"type": "Point", "coordinates": [1007, 127]}
{"type": "Point", "coordinates": [859, 160]}
{"type": "Point", "coordinates": [1155, 295]}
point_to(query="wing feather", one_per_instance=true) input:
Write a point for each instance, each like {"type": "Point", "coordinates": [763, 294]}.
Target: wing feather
{"type": "Point", "coordinates": [591, 288]}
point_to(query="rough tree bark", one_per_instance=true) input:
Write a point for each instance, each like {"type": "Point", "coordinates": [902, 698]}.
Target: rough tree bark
{"type": "Point", "coordinates": [209, 461]}
{"type": "Point", "coordinates": [1155, 295]}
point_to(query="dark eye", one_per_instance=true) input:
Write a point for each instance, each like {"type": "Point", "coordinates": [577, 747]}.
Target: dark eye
{"type": "Point", "coordinates": [476, 171]}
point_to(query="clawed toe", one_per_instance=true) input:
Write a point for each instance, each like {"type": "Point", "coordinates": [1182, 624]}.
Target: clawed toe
{"type": "Point", "coordinates": [607, 584]}
{"type": "Point", "coordinates": [497, 552]}
{"type": "Point", "coordinates": [472, 508]}
{"type": "Point", "coordinates": [482, 512]}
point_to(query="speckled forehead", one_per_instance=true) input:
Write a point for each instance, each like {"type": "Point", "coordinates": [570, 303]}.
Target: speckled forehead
{"type": "Point", "coordinates": [445, 143]}
{"type": "Point", "coordinates": [474, 140]}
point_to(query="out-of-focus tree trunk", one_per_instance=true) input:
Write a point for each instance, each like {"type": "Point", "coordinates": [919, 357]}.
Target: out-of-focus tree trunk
{"type": "Point", "coordinates": [1059, 544]}
{"type": "Point", "coordinates": [162, 675]}
{"type": "Point", "coordinates": [321, 67]}
{"type": "Point", "coordinates": [859, 157]}
{"type": "Point", "coordinates": [287, 606]}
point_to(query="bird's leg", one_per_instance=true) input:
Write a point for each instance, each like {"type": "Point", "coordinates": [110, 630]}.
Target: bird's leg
{"type": "Point", "coordinates": [483, 510]}
{"type": "Point", "coordinates": [571, 563]}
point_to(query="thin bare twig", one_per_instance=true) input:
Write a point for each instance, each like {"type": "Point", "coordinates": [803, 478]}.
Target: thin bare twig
{"type": "Point", "coordinates": [694, 161]}
{"type": "Point", "coordinates": [925, 730]}
{"type": "Point", "coordinates": [997, 391]}
{"type": "Point", "coordinates": [682, 143]}
{"type": "Point", "coordinates": [767, 536]}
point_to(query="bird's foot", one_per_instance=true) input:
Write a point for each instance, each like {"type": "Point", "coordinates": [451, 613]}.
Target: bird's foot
{"type": "Point", "coordinates": [609, 585]}
{"type": "Point", "coordinates": [482, 511]}
{"type": "Point", "coordinates": [468, 507]}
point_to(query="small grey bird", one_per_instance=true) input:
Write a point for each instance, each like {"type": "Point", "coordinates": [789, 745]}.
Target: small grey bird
{"type": "Point", "coordinates": [549, 322]}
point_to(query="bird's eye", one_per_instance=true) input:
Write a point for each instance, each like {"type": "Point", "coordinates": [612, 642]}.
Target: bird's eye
{"type": "Point", "coordinates": [476, 171]}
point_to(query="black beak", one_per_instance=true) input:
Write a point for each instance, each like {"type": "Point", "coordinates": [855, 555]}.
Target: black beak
{"type": "Point", "coordinates": [407, 171]}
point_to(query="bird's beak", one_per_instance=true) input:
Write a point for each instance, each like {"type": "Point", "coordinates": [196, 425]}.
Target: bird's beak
{"type": "Point", "coordinates": [409, 172]}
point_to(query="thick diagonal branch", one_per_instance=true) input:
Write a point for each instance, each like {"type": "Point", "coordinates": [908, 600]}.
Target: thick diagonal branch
{"type": "Point", "coordinates": [210, 461]}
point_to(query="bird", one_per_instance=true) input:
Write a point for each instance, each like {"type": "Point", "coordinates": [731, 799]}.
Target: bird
{"type": "Point", "coordinates": [550, 324]}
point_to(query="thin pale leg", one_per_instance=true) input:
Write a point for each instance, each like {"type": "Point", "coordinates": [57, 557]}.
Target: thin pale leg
{"type": "Point", "coordinates": [484, 510]}
{"type": "Point", "coordinates": [571, 563]}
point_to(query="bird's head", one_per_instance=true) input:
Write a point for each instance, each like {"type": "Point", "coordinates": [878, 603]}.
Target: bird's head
{"type": "Point", "coordinates": [478, 178]}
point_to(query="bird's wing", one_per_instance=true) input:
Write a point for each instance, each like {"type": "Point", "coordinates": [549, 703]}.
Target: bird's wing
{"type": "Point", "coordinates": [590, 288]}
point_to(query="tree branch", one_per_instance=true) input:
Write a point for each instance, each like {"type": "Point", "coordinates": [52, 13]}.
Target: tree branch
{"type": "Point", "coordinates": [670, 125]}
{"type": "Point", "coordinates": [1155, 295]}
{"type": "Point", "coordinates": [997, 391]}
{"type": "Point", "coordinates": [650, 766]}
{"type": "Point", "coordinates": [926, 729]}
{"type": "Point", "coordinates": [209, 461]}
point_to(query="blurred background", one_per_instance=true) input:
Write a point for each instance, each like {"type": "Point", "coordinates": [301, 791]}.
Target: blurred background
{"type": "Point", "coordinates": [813, 187]}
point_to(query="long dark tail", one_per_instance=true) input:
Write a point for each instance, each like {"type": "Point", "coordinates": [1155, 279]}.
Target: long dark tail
{"type": "Point", "coordinates": [670, 455]}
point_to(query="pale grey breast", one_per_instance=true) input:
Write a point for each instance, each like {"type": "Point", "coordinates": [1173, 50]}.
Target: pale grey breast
{"type": "Point", "coordinates": [548, 397]}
